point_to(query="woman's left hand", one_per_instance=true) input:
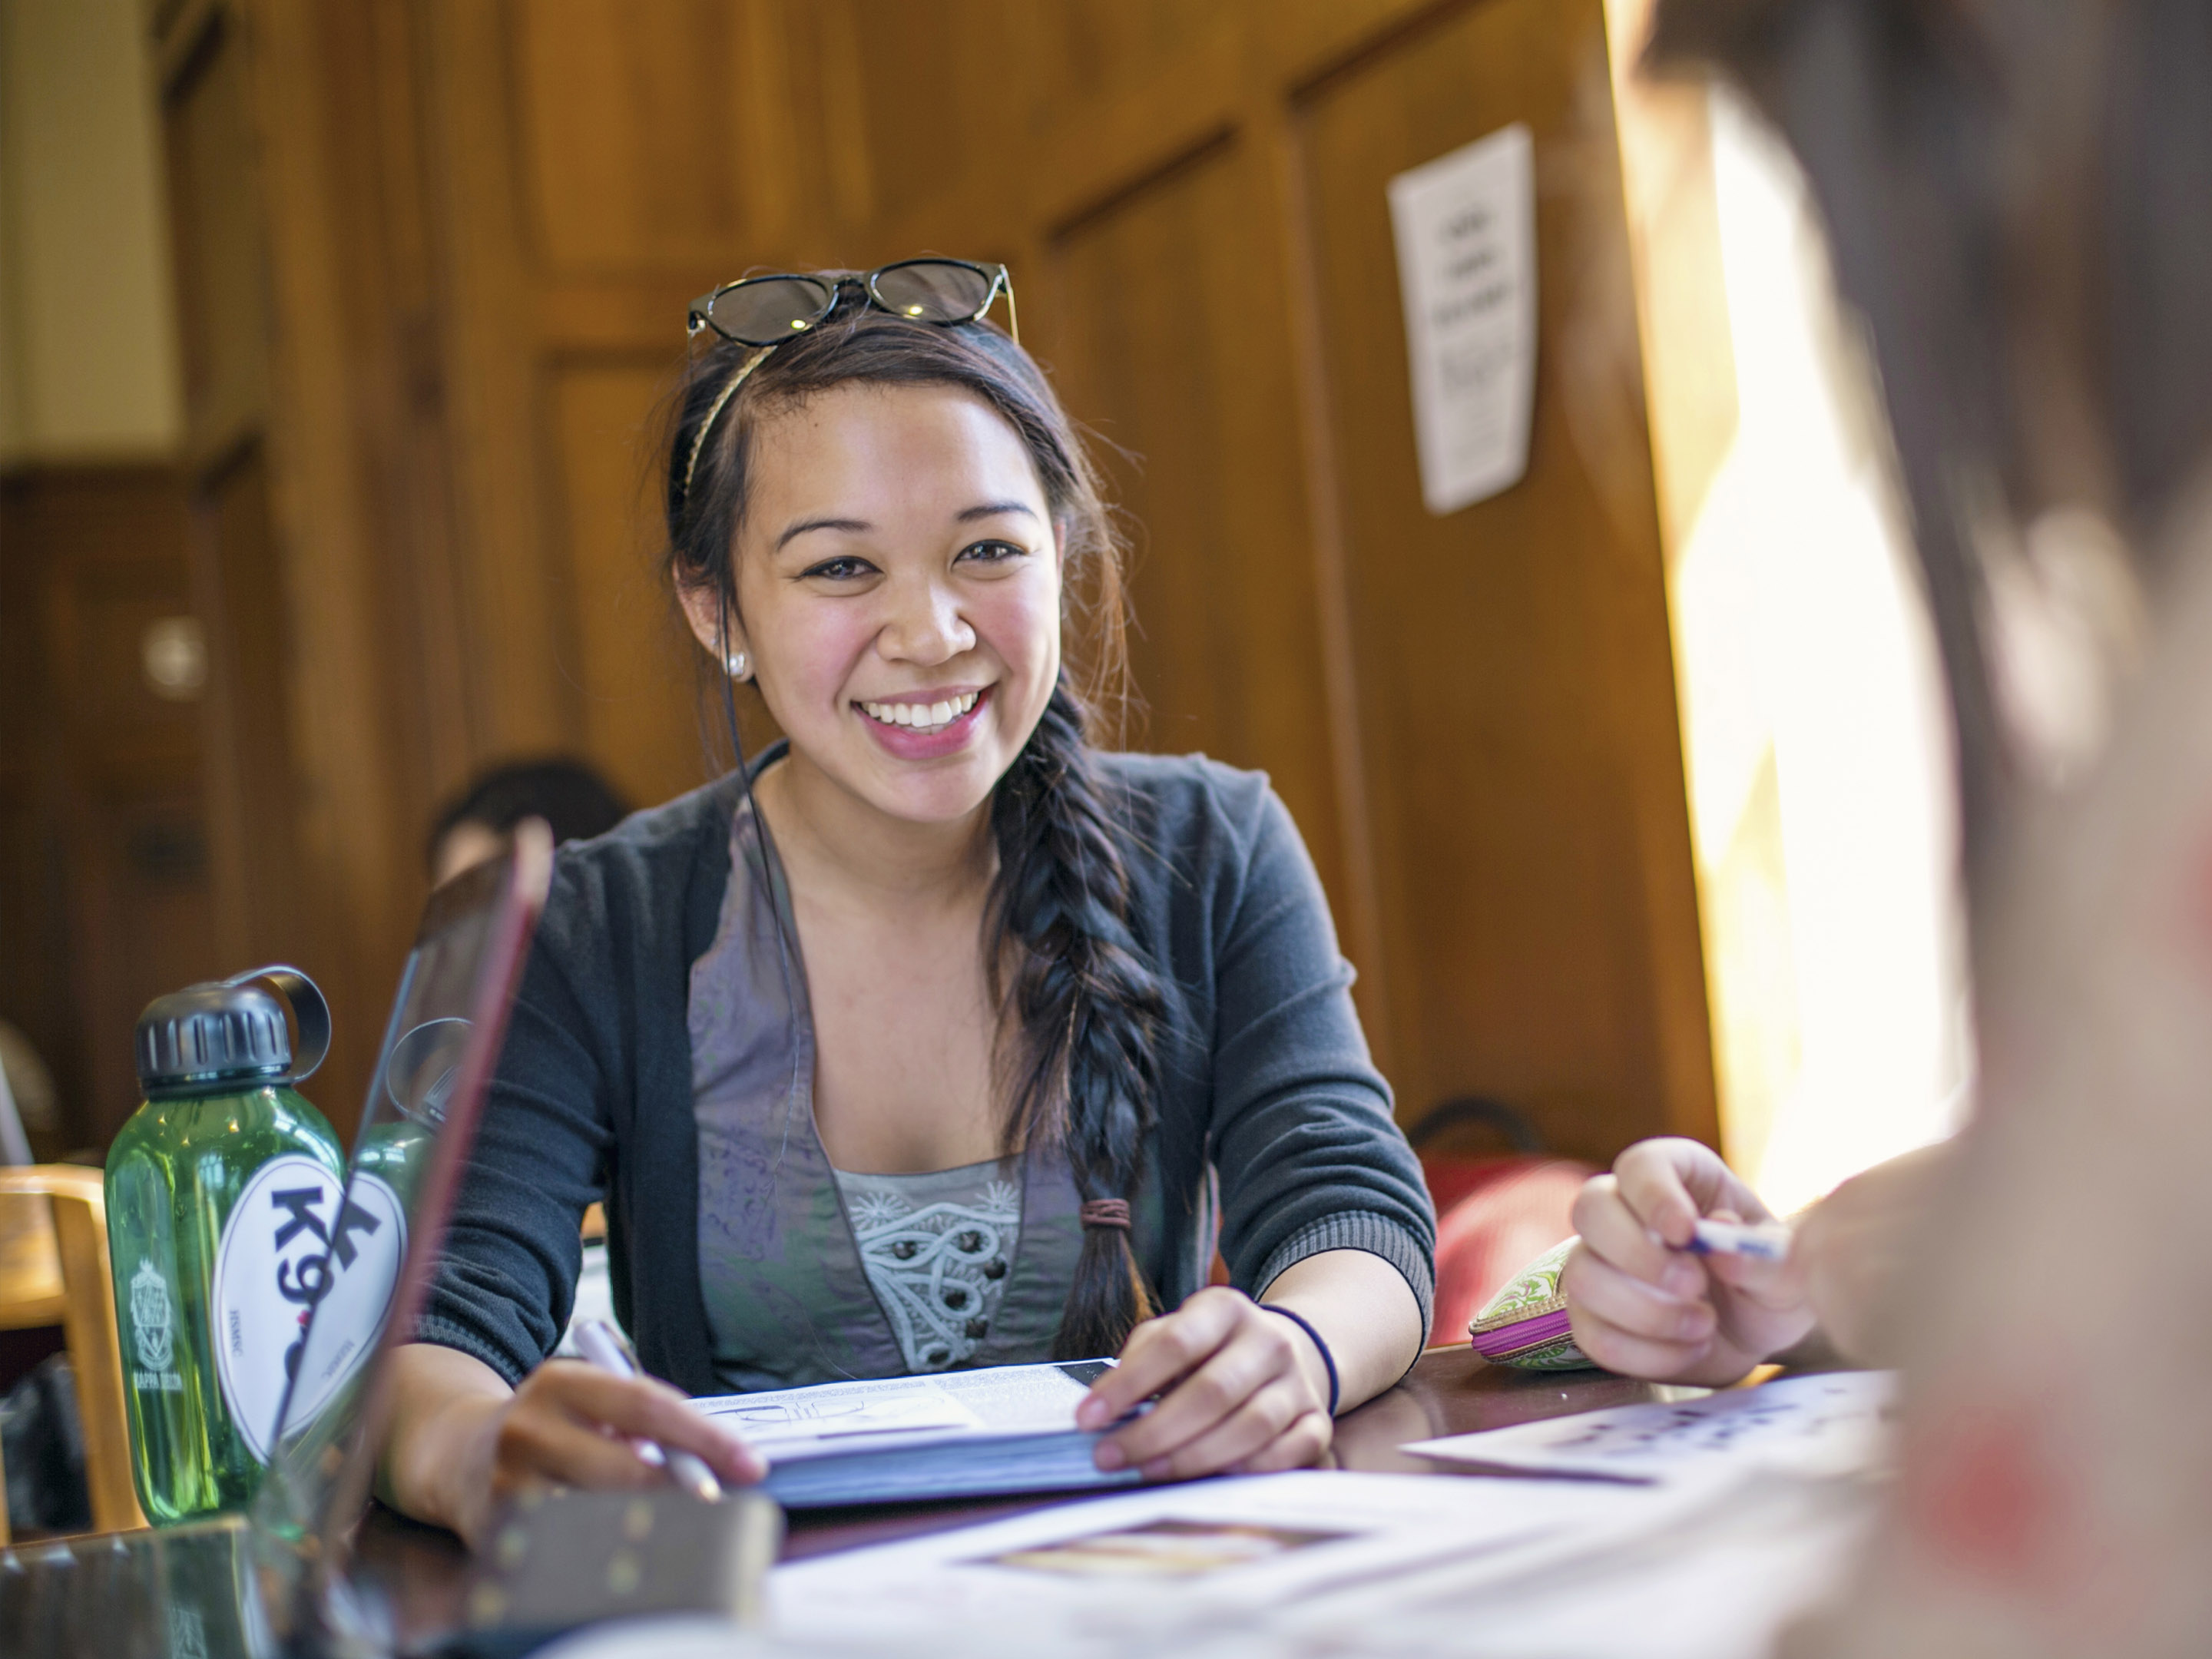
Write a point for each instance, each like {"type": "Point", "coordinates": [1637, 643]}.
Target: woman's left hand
{"type": "Point", "coordinates": [1242, 1390]}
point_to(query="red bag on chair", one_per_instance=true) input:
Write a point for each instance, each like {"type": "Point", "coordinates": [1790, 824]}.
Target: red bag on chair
{"type": "Point", "coordinates": [1510, 1211]}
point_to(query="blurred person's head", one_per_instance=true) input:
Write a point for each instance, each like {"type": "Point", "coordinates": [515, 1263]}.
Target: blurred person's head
{"type": "Point", "coordinates": [575, 802]}
{"type": "Point", "coordinates": [2016, 193]}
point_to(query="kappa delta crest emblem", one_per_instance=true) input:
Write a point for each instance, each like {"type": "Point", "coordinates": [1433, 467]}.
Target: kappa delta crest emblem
{"type": "Point", "coordinates": [149, 1317]}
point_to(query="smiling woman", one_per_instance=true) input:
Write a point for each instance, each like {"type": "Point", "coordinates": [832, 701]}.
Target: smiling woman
{"type": "Point", "coordinates": [896, 556]}
{"type": "Point", "coordinates": [935, 1036]}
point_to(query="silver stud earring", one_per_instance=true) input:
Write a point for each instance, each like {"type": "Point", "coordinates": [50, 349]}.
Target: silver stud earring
{"type": "Point", "coordinates": [736, 663]}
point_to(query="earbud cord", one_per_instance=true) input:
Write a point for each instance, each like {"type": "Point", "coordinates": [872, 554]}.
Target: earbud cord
{"type": "Point", "coordinates": [768, 864]}
{"type": "Point", "coordinates": [783, 950]}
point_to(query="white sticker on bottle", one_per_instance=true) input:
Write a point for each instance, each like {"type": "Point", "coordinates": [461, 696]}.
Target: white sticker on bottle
{"type": "Point", "coordinates": [286, 1249]}
{"type": "Point", "coordinates": [351, 1318]}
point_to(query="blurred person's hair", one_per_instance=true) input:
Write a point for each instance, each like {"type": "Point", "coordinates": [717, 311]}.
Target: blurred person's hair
{"type": "Point", "coordinates": [574, 799]}
{"type": "Point", "coordinates": [2015, 196]}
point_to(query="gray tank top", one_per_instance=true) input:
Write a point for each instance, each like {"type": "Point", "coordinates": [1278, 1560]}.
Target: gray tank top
{"type": "Point", "coordinates": [801, 1269]}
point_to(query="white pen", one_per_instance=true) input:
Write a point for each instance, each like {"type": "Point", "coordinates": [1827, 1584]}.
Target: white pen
{"type": "Point", "coordinates": [604, 1346]}
{"type": "Point", "coordinates": [1768, 1241]}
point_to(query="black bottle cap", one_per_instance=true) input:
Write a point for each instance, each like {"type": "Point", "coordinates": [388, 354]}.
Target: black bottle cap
{"type": "Point", "coordinates": [232, 1031]}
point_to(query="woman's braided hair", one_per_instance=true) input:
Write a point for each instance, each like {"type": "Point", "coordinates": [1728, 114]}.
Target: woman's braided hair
{"type": "Point", "coordinates": [1084, 1001]}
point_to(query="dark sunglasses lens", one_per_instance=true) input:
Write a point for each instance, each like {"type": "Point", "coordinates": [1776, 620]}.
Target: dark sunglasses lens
{"type": "Point", "coordinates": [933, 291]}
{"type": "Point", "coordinates": [774, 308]}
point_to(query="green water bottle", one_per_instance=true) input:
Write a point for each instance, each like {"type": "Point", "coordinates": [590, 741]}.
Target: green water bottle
{"type": "Point", "coordinates": [223, 1192]}
{"type": "Point", "coordinates": [399, 1129]}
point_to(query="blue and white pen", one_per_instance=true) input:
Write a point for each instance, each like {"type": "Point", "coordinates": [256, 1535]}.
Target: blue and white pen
{"type": "Point", "coordinates": [1761, 1242]}
{"type": "Point", "coordinates": [603, 1345]}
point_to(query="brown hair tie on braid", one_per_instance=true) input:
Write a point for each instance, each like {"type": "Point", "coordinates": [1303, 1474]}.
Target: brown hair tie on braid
{"type": "Point", "coordinates": [1106, 1213]}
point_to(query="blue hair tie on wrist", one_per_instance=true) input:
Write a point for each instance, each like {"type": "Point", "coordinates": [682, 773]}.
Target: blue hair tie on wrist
{"type": "Point", "coordinates": [1328, 1359]}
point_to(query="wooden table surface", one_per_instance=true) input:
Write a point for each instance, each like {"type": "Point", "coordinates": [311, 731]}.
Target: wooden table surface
{"type": "Point", "coordinates": [1448, 1391]}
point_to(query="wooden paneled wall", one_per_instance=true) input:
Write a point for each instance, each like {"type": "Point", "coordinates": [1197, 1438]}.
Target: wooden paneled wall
{"type": "Point", "coordinates": [482, 219]}
{"type": "Point", "coordinates": [105, 896]}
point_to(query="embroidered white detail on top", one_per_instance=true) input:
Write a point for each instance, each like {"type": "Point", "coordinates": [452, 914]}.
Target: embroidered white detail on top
{"type": "Point", "coordinates": [936, 1247]}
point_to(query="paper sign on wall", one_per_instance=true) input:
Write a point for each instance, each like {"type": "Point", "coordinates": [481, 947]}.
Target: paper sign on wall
{"type": "Point", "coordinates": [1465, 229]}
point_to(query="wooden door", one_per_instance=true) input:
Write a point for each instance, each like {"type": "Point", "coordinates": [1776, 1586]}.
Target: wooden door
{"type": "Point", "coordinates": [1167, 324]}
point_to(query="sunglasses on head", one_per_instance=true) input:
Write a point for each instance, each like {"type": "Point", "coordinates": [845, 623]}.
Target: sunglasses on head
{"type": "Point", "coordinates": [765, 311]}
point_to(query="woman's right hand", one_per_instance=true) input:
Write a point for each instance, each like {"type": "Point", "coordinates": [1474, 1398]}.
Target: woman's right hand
{"type": "Point", "coordinates": [1643, 1305]}
{"type": "Point", "coordinates": [462, 1444]}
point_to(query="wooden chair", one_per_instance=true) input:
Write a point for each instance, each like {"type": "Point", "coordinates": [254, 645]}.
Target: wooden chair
{"type": "Point", "coordinates": [53, 1270]}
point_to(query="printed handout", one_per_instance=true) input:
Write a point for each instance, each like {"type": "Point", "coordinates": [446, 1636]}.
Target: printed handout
{"type": "Point", "coordinates": [1162, 1549]}
{"type": "Point", "coordinates": [1831, 1422]}
{"type": "Point", "coordinates": [1213, 1557]}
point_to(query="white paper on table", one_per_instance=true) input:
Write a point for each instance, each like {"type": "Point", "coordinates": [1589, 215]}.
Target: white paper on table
{"type": "Point", "coordinates": [1720, 1579]}
{"type": "Point", "coordinates": [1465, 226]}
{"type": "Point", "coordinates": [1179, 1563]}
{"type": "Point", "coordinates": [1598, 1569]}
{"type": "Point", "coordinates": [1830, 1422]}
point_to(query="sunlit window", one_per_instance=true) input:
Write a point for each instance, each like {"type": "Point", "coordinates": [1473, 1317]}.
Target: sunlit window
{"type": "Point", "coordinates": [1819, 761]}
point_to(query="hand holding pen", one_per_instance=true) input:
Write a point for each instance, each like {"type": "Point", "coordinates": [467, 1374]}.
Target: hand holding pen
{"type": "Point", "coordinates": [1682, 1274]}
{"type": "Point", "coordinates": [607, 1350]}
{"type": "Point", "coordinates": [1765, 1241]}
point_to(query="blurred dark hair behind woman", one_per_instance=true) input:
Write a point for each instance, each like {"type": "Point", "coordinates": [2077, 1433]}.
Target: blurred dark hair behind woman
{"type": "Point", "coordinates": [573, 798]}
